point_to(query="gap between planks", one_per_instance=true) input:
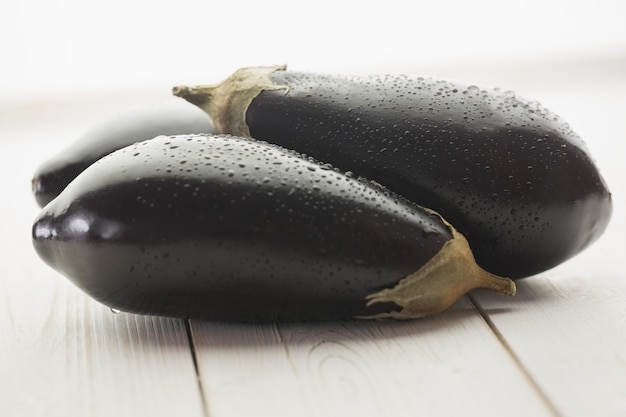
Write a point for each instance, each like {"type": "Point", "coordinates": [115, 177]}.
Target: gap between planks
{"type": "Point", "coordinates": [507, 347]}
{"type": "Point", "coordinates": [203, 336]}
{"type": "Point", "coordinates": [194, 358]}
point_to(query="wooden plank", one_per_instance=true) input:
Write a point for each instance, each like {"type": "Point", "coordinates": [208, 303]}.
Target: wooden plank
{"type": "Point", "coordinates": [63, 354]}
{"type": "Point", "coordinates": [569, 331]}
{"type": "Point", "coordinates": [451, 364]}
{"type": "Point", "coordinates": [80, 359]}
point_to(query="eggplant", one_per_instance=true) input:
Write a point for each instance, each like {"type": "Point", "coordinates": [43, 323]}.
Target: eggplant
{"type": "Point", "coordinates": [231, 229]}
{"type": "Point", "coordinates": [510, 175]}
{"type": "Point", "coordinates": [169, 117]}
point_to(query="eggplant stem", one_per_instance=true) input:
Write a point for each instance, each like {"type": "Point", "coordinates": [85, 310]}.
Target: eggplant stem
{"type": "Point", "coordinates": [434, 287]}
{"type": "Point", "coordinates": [227, 102]}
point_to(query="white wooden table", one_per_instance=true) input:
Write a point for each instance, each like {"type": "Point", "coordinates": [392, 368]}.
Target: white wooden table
{"type": "Point", "coordinates": [557, 349]}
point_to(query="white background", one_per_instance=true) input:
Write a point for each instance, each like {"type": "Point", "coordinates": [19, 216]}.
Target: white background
{"type": "Point", "coordinates": [65, 48]}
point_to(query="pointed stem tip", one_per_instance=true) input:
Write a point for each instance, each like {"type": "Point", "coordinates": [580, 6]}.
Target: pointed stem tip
{"type": "Point", "coordinates": [180, 90]}
{"type": "Point", "coordinates": [497, 284]}
{"type": "Point", "coordinates": [198, 95]}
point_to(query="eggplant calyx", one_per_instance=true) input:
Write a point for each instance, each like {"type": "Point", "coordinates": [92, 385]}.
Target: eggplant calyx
{"type": "Point", "coordinates": [434, 287]}
{"type": "Point", "coordinates": [227, 102]}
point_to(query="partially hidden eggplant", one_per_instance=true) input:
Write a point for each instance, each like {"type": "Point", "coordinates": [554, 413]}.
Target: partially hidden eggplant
{"type": "Point", "coordinates": [510, 175]}
{"type": "Point", "coordinates": [168, 117]}
{"type": "Point", "coordinates": [226, 228]}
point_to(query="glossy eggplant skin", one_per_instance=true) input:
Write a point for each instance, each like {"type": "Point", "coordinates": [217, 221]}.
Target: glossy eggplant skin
{"type": "Point", "coordinates": [507, 173]}
{"type": "Point", "coordinates": [168, 117]}
{"type": "Point", "coordinates": [232, 229]}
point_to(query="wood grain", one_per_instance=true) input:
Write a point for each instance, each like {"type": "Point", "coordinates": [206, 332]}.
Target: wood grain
{"type": "Point", "coordinates": [451, 364]}
{"type": "Point", "coordinates": [568, 329]}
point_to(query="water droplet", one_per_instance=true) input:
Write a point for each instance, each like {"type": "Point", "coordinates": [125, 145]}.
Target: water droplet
{"type": "Point", "coordinates": [115, 310]}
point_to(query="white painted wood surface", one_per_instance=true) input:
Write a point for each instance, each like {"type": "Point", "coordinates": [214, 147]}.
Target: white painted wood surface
{"type": "Point", "coordinates": [443, 366]}
{"type": "Point", "coordinates": [557, 349]}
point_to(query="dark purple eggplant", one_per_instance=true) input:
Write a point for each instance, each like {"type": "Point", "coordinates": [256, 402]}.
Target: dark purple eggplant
{"type": "Point", "coordinates": [509, 174]}
{"type": "Point", "coordinates": [227, 228]}
{"type": "Point", "coordinates": [171, 117]}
